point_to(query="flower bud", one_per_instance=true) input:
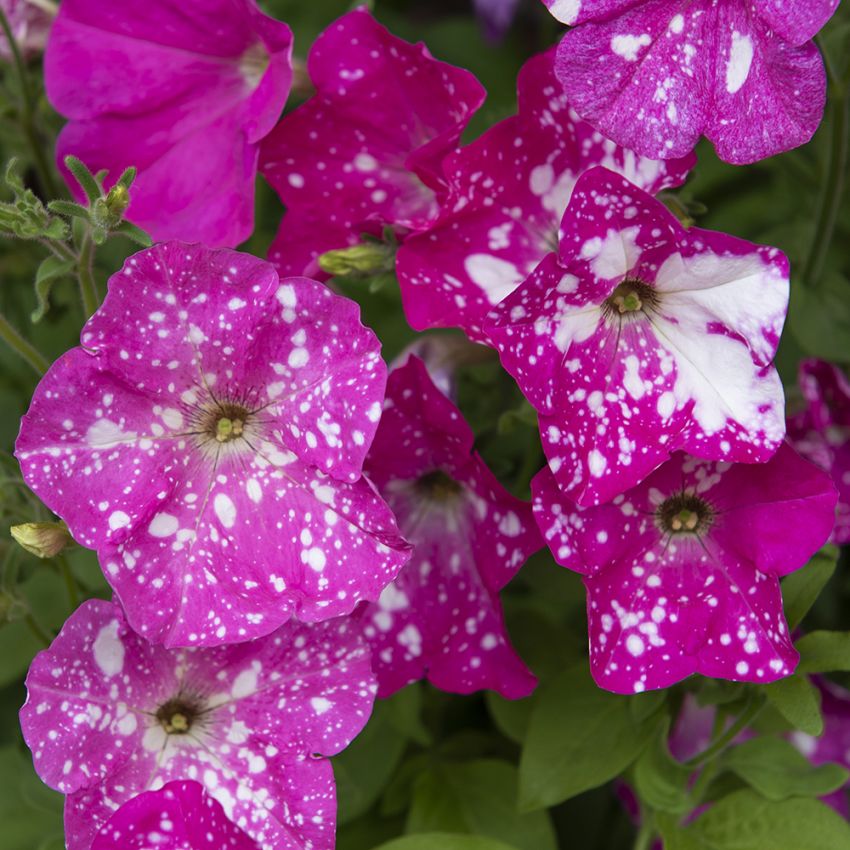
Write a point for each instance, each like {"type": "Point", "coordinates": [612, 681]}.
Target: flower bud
{"type": "Point", "coordinates": [367, 258]}
{"type": "Point", "coordinates": [42, 539]}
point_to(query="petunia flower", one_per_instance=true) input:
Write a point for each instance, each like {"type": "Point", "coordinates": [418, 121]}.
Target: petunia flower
{"type": "Point", "coordinates": [509, 190]}
{"type": "Point", "coordinates": [179, 816]}
{"type": "Point", "coordinates": [682, 571]}
{"type": "Point", "coordinates": [109, 715]}
{"type": "Point", "coordinates": [642, 337]}
{"type": "Point", "coordinates": [655, 75]}
{"type": "Point", "coordinates": [207, 440]}
{"type": "Point", "coordinates": [441, 618]}
{"type": "Point", "coordinates": [366, 150]}
{"type": "Point", "coordinates": [30, 22]}
{"type": "Point", "coordinates": [821, 432]}
{"type": "Point", "coordinates": [184, 92]}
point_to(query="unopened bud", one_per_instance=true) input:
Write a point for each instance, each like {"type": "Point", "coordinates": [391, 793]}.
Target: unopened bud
{"type": "Point", "coordinates": [42, 539]}
{"type": "Point", "coordinates": [109, 210]}
{"type": "Point", "coordinates": [367, 258]}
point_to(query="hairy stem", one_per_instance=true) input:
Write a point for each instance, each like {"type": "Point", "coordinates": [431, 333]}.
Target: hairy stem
{"type": "Point", "coordinates": [88, 288]}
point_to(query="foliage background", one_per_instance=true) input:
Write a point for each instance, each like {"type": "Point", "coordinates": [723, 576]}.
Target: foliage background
{"type": "Point", "coordinates": [532, 775]}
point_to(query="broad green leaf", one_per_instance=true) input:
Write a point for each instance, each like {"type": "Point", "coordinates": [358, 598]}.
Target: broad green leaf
{"type": "Point", "coordinates": [444, 841]}
{"type": "Point", "coordinates": [798, 701]}
{"type": "Point", "coordinates": [404, 713]}
{"type": "Point", "coordinates": [801, 588]}
{"type": "Point", "coordinates": [824, 652]}
{"type": "Point", "coordinates": [660, 780]}
{"type": "Point", "coordinates": [511, 716]}
{"type": "Point", "coordinates": [30, 813]}
{"type": "Point", "coordinates": [479, 797]}
{"type": "Point", "coordinates": [50, 270]}
{"type": "Point", "coordinates": [746, 821]}
{"type": "Point", "coordinates": [819, 317]}
{"type": "Point", "coordinates": [777, 770]}
{"type": "Point", "coordinates": [579, 737]}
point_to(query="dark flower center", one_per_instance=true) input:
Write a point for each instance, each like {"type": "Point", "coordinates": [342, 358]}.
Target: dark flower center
{"type": "Point", "coordinates": [684, 513]}
{"type": "Point", "coordinates": [227, 422]}
{"type": "Point", "coordinates": [436, 486]}
{"type": "Point", "coordinates": [177, 716]}
{"type": "Point", "coordinates": [630, 297]}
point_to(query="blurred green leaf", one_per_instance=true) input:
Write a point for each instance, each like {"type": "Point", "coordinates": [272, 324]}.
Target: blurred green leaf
{"type": "Point", "coordinates": [801, 589]}
{"type": "Point", "coordinates": [479, 797]}
{"type": "Point", "coordinates": [798, 701]}
{"type": "Point", "coordinates": [660, 781]}
{"type": "Point", "coordinates": [824, 652]}
{"type": "Point", "coordinates": [444, 841]}
{"type": "Point", "coordinates": [30, 813]}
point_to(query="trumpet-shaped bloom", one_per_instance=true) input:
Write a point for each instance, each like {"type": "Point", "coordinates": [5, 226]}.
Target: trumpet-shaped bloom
{"type": "Point", "coordinates": [366, 150]}
{"type": "Point", "coordinates": [643, 337]}
{"type": "Point", "coordinates": [179, 816]}
{"type": "Point", "coordinates": [442, 618]}
{"type": "Point", "coordinates": [682, 571]}
{"type": "Point", "coordinates": [821, 432]}
{"type": "Point", "coordinates": [208, 439]}
{"type": "Point", "coordinates": [655, 75]}
{"type": "Point", "coordinates": [509, 190]}
{"type": "Point", "coordinates": [184, 92]}
{"type": "Point", "coordinates": [109, 715]}
{"type": "Point", "coordinates": [30, 25]}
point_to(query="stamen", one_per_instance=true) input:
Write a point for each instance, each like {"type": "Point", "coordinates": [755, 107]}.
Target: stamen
{"type": "Point", "coordinates": [438, 487]}
{"type": "Point", "coordinates": [684, 513]}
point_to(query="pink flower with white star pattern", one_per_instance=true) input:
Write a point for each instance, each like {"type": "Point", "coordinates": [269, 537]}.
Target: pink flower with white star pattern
{"type": "Point", "coordinates": [442, 618]}
{"type": "Point", "coordinates": [509, 190]}
{"type": "Point", "coordinates": [109, 715]}
{"type": "Point", "coordinates": [682, 571]}
{"type": "Point", "coordinates": [655, 75]}
{"type": "Point", "coordinates": [643, 337]}
{"type": "Point", "coordinates": [367, 149]}
{"type": "Point", "coordinates": [184, 92]}
{"type": "Point", "coordinates": [821, 432]}
{"type": "Point", "coordinates": [208, 439]}
{"type": "Point", "coordinates": [179, 816]}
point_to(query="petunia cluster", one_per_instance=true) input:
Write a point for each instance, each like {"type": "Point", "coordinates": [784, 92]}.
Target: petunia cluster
{"type": "Point", "coordinates": [288, 529]}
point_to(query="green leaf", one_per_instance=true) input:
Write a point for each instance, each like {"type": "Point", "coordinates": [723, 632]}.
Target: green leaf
{"type": "Point", "coordinates": [777, 770]}
{"type": "Point", "coordinates": [84, 177]}
{"type": "Point", "coordinates": [820, 318]}
{"type": "Point", "coordinates": [70, 209]}
{"type": "Point", "coordinates": [746, 821]}
{"type": "Point", "coordinates": [579, 737]}
{"type": "Point", "coordinates": [404, 713]}
{"type": "Point", "coordinates": [30, 813]}
{"type": "Point", "coordinates": [798, 701]}
{"type": "Point", "coordinates": [824, 652]}
{"type": "Point", "coordinates": [444, 841]}
{"type": "Point", "coordinates": [133, 233]}
{"type": "Point", "coordinates": [660, 780]}
{"type": "Point", "coordinates": [479, 797]}
{"type": "Point", "coordinates": [511, 716]}
{"type": "Point", "coordinates": [801, 589]}
{"type": "Point", "coordinates": [50, 270]}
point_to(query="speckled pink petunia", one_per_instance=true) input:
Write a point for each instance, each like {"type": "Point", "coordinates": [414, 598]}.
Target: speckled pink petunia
{"type": "Point", "coordinates": [109, 715]}
{"type": "Point", "coordinates": [184, 92]}
{"type": "Point", "coordinates": [207, 440]}
{"type": "Point", "coordinates": [821, 432]}
{"type": "Point", "coordinates": [509, 190]}
{"type": "Point", "coordinates": [366, 150]}
{"type": "Point", "coordinates": [682, 571]}
{"type": "Point", "coordinates": [442, 617]}
{"type": "Point", "coordinates": [179, 816]}
{"type": "Point", "coordinates": [655, 75]}
{"type": "Point", "coordinates": [642, 337]}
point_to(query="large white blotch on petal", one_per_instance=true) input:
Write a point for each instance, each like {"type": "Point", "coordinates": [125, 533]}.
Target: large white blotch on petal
{"type": "Point", "coordinates": [108, 650]}
{"type": "Point", "coordinates": [565, 11]}
{"type": "Point", "coordinates": [614, 255]}
{"type": "Point", "coordinates": [740, 61]}
{"type": "Point", "coordinates": [497, 278]}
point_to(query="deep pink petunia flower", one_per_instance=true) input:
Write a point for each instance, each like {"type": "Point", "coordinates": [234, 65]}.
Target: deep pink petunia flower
{"type": "Point", "coordinates": [442, 618]}
{"type": "Point", "coordinates": [30, 22]}
{"type": "Point", "coordinates": [655, 75]}
{"type": "Point", "coordinates": [682, 571]}
{"type": "Point", "coordinates": [208, 439]}
{"type": "Point", "coordinates": [179, 816]}
{"type": "Point", "coordinates": [367, 149]}
{"type": "Point", "coordinates": [643, 337]}
{"type": "Point", "coordinates": [185, 92]}
{"type": "Point", "coordinates": [109, 715]}
{"type": "Point", "coordinates": [821, 432]}
{"type": "Point", "coordinates": [509, 190]}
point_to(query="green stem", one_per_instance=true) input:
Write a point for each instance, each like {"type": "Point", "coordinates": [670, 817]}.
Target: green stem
{"type": "Point", "coordinates": [833, 192]}
{"type": "Point", "coordinates": [88, 289]}
{"type": "Point", "coordinates": [70, 582]}
{"type": "Point", "coordinates": [20, 346]}
{"type": "Point", "coordinates": [58, 249]}
{"type": "Point", "coordinates": [645, 836]}
{"type": "Point", "coordinates": [37, 630]}
{"type": "Point", "coordinates": [28, 110]}
{"type": "Point", "coordinates": [744, 719]}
